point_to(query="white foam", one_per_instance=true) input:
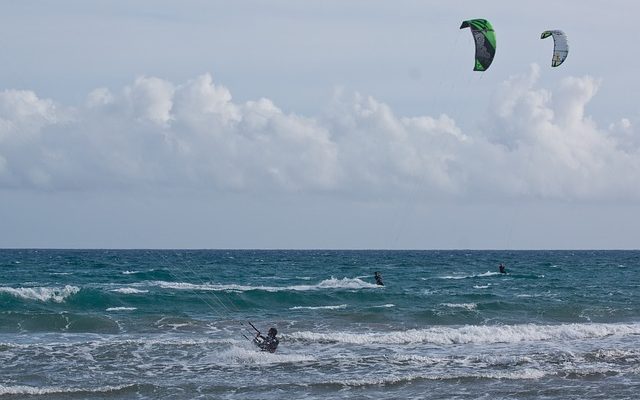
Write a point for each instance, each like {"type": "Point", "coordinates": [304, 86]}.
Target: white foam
{"type": "Point", "coordinates": [481, 286]}
{"type": "Point", "coordinates": [404, 358]}
{"type": "Point", "coordinates": [488, 273]}
{"type": "Point", "coordinates": [31, 390]}
{"type": "Point", "coordinates": [482, 334]}
{"type": "Point", "coordinates": [250, 355]}
{"type": "Point", "coordinates": [121, 309]}
{"type": "Point", "coordinates": [484, 275]}
{"type": "Point", "coordinates": [385, 306]}
{"type": "Point", "coordinates": [529, 295]}
{"type": "Point", "coordinates": [128, 290]}
{"type": "Point", "coordinates": [341, 306]}
{"type": "Point", "coordinates": [616, 355]}
{"type": "Point", "coordinates": [136, 341]}
{"type": "Point", "coordinates": [56, 294]}
{"type": "Point", "coordinates": [332, 283]}
{"type": "Point", "coordinates": [346, 283]}
{"type": "Point", "coordinates": [528, 373]}
{"type": "Point", "coordinates": [466, 306]}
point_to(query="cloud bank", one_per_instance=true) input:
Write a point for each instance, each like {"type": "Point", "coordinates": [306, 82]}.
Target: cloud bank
{"type": "Point", "coordinates": [533, 143]}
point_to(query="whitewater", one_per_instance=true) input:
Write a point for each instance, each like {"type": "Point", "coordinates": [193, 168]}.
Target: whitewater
{"type": "Point", "coordinates": [174, 324]}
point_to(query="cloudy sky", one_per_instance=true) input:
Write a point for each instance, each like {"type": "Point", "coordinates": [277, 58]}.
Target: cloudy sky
{"type": "Point", "coordinates": [317, 124]}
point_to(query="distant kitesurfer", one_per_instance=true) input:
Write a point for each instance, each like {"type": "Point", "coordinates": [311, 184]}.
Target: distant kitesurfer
{"type": "Point", "coordinates": [503, 269]}
{"type": "Point", "coordinates": [378, 279]}
{"type": "Point", "coordinates": [268, 343]}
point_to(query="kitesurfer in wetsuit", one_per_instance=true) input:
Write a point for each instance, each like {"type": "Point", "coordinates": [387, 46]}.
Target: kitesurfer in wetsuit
{"type": "Point", "coordinates": [268, 343]}
{"type": "Point", "coordinates": [503, 269]}
{"type": "Point", "coordinates": [378, 279]}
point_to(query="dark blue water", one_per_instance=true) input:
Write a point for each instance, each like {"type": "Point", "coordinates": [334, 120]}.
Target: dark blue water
{"type": "Point", "coordinates": [174, 324]}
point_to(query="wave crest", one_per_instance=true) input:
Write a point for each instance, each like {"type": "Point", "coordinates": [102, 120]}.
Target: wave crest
{"type": "Point", "coordinates": [128, 290]}
{"type": "Point", "coordinates": [31, 390]}
{"type": "Point", "coordinates": [475, 334]}
{"type": "Point", "coordinates": [44, 294]}
{"type": "Point", "coordinates": [332, 283]}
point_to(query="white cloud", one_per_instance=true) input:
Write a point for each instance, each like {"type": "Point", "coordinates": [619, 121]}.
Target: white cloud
{"type": "Point", "coordinates": [382, 152]}
{"type": "Point", "coordinates": [535, 142]}
{"type": "Point", "coordinates": [554, 149]}
{"type": "Point", "coordinates": [150, 99]}
{"type": "Point", "coordinates": [23, 113]}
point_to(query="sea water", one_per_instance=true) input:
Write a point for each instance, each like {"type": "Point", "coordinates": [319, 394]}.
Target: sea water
{"type": "Point", "coordinates": [174, 324]}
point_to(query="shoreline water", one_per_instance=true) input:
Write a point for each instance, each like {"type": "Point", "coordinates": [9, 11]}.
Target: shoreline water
{"type": "Point", "coordinates": [170, 324]}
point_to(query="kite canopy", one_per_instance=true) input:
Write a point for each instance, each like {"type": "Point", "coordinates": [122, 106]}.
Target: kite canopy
{"type": "Point", "coordinates": [485, 39]}
{"type": "Point", "coordinates": [560, 46]}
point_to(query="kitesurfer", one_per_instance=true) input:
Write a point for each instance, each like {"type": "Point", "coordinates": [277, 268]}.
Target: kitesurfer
{"type": "Point", "coordinates": [268, 343]}
{"type": "Point", "coordinates": [503, 269]}
{"type": "Point", "coordinates": [378, 279]}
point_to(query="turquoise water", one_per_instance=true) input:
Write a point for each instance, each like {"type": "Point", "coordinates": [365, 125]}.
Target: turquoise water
{"type": "Point", "coordinates": [173, 324]}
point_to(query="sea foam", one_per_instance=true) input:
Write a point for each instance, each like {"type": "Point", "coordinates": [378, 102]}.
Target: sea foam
{"type": "Point", "coordinates": [56, 294]}
{"type": "Point", "coordinates": [466, 306]}
{"type": "Point", "coordinates": [341, 306]}
{"type": "Point", "coordinates": [482, 334]}
{"type": "Point", "coordinates": [529, 373]}
{"type": "Point", "coordinates": [332, 283]}
{"type": "Point", "coordinates": [249, 355]}
{"type": "Point", "coordinates": [31, 390]}
{"type": "Point", "coordinates": [483, 275]}
{"type": "Point", "coordinates": [128, 290]}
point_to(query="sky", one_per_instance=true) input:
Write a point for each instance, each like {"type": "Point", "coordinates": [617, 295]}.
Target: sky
{"type": "Point", "coordinates": [323, 124]}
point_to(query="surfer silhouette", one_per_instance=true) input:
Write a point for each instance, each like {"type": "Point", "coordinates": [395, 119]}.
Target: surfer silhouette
{"type": "Point", "coordinates": [268, 343]}
{"type": "Point", "coordinates": [378, 279]}
{"type": "Point", "coordinates": [503, 269]}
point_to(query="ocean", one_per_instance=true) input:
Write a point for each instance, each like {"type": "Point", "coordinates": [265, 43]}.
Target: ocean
{"type": "Point", "coordinates": [176, 324]}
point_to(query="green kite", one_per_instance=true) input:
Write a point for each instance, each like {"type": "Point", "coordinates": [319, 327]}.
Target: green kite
{"type": "Point", "coordinates": [485, 39]}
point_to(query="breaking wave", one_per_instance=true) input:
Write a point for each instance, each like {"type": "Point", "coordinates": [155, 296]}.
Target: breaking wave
{"type": "Point", "coordinates": [44, 294]}
{"type": "Point", "coordinates": [128, 290]}
{"type": "Point", "coordinates": [32, 390]}
{"type": "Point", "coordinates": [475, 334]}
{"type": "Point", "coordinates": [332, 283]}
{"type": "Point", "coordinates": [466, 306]}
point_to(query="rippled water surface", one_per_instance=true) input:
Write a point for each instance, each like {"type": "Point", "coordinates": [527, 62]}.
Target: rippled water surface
{"type": "Point", "coordinates": [152, 324]}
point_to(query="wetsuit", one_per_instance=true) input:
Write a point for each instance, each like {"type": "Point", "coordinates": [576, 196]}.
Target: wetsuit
{"type": "Point", "coordinates": [269, 343]}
